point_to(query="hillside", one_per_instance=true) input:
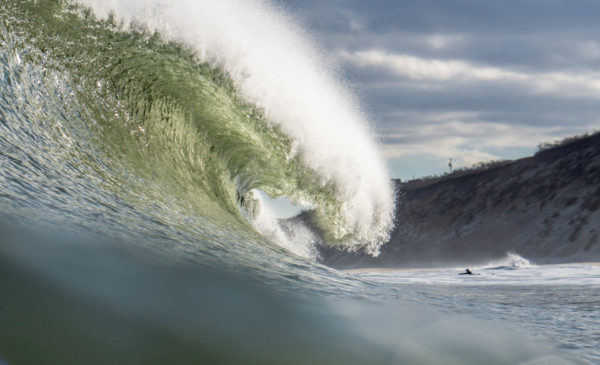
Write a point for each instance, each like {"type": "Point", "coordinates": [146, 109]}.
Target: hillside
{"type": "Point", "coordinates": [545, 208]}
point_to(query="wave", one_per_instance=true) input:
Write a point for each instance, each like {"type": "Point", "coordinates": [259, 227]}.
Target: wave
{"type": "Point", "coordinates": [512, 261]}
{"type": "Point", "coordinates": [204, 102]}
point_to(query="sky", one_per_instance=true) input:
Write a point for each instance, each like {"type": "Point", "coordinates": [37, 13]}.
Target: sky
{"type": "Point", "coordinates": [464, 80]}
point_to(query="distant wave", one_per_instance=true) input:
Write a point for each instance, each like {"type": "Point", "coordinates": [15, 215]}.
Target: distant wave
{"type": "Point", "coordinates": [512, 261]}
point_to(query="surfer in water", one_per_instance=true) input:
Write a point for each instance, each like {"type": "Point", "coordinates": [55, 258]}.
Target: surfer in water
{"type": "Point", "coordinates": [467, 272]}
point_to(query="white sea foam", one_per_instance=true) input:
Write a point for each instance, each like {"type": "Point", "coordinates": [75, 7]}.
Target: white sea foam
{"type": "Point", "coordinates": [275, 66]}
{"type": "Point", "coordinates": [298, 240]}
{"type": "Point", "coordinates": [512, 261]}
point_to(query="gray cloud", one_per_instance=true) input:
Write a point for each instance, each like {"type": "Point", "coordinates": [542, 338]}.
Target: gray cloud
{"type": "Point", "coordinates": [459, 15]}
{"type": "Point", "coordinates": [477, 79]}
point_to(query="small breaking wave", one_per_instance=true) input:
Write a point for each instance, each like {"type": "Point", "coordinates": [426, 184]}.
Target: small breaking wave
{"type": "Point", "coordinates": [512, 261]}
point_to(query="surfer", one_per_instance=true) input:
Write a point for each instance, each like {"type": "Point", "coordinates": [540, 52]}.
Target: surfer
{"type": "Point", "coordinates": [467, 272]}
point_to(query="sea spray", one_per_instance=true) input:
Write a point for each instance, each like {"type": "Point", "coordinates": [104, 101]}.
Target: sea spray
{"type": "Point", "coordinates": [511, 261]}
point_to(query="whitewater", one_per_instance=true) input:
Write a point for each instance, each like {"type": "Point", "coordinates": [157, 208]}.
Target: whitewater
{"type": "Point", "coordinates": [140, 142]}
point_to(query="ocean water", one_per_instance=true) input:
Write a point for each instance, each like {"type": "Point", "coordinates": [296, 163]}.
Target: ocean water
{"type": "Point", "coordinates": [552, 303]}
{"type": "Point", "coordinates": [137, 143]}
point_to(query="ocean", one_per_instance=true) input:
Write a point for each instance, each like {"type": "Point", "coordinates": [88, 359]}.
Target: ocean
{"type": "Point", "coordinates": [139, 143]}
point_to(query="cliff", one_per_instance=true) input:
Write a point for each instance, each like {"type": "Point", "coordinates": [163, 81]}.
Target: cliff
{"type": "Point", "coordinates": [545, 208]}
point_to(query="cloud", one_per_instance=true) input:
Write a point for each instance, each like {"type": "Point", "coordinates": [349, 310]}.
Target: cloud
{"type": "Point", "coordinates": [441, 41]}
{"type": "Point", "coordinates": [566, 84]}
{"type": "Point", "coordinates": [464, 137]}
{"type": "Point", "coordinates": [462, 79]}
{"type": "Point", "coordinates": [425, 69]}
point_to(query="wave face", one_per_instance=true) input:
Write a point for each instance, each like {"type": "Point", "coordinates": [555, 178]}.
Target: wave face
{"type": "Point", "coordinates": [188, 107]}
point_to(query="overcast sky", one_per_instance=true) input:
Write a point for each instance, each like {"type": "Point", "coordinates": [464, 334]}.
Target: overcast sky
{"type": "Point", "coordinates": [467, 80]}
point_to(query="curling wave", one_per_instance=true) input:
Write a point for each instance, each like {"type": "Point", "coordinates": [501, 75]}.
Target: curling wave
{"type": "Point", "coordinates": [176, 95]}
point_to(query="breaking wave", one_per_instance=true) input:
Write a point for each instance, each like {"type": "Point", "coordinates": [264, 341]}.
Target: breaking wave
{"type": "Point", "coordinates": [169, 101]}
